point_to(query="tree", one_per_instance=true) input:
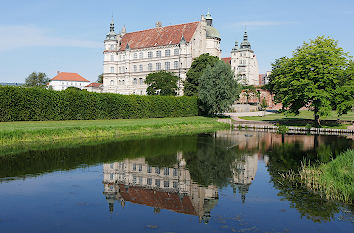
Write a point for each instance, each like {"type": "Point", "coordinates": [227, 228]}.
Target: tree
{"type": "Point", "coordinates": [195, 72]}
{"type": "Point", "coordinates": [249, 91]}
{"type": "Point", "coordinates": [100, 78]}
{"type": "Point", "coordinates": [161, 83]}
{"type": "Point", "coordinates": [36, 80]}
{"type": "Point", "coordinates": [218, 89]}
{"type": "Point", "coordinates": [317, 77]}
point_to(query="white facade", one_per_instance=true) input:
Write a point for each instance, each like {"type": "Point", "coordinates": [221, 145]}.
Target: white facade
{"type": "Point", "coordinates": [125, 69]}
{"type": "Point", "coordinates": [62, 85]}
{"type": "Point", "coordinates": [244, 63]}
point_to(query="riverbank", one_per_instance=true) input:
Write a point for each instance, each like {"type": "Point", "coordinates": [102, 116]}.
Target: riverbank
{"type": "Point", "coordinates": [333, 180]}
{"type": "Point", "coordinates": [305, 118]}
{"type": "Point", "coordinates": [37, 132]}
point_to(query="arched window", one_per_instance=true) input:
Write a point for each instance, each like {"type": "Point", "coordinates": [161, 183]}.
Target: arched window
{"type": "Point", "coordinates": [141, 82]}
{"type": "Point", "coordinates": [135, 81]}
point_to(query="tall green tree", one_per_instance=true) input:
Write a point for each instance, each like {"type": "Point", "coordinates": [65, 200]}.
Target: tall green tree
{"type": "Point", "coordinates": [316, 76]}
{"type": "Point", "coordinates": [100, 78]}
{"type": "Point", "coordinates": [218, 89]}
{"type": "Point", "coordinates": [199, 64]}
{"type": "Point", "coordinates": [161, 83]}
{"type": "Point", "coordinates": [36, 80]}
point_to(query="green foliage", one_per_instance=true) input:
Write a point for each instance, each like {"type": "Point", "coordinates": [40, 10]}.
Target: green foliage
{"type": "Point", "coordinates": [36, 80]}
{"type": "Point", "coordinates": [264, 104]}
{"type": "Point", "coordinates": [73, 89]}
{"type": "Point", "coordinates": [218, 89]}
{"type": "Point", "coordinates": [198, 66]}
{"type": "Point", "coordinates": [283, 129]}
{"type": "Point", "coordinates": [318, 76]}
{"type": "Point", "coordinates": [161, 83]}
{"type": "Point", "coordinates": [37, 104]}
{"type": "Point", "coordinates": [100, 78]}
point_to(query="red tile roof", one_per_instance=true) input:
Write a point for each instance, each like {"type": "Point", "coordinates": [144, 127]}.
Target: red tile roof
{"type": "Point", "coordinates": [158, 199]}
{"type": "Point", "coordinates": [159, 36]}
{"type": "Point", "coordinates": [65, 76]}
{"type": "Point", "coordinates": [94, 85]}
{"type": "Point", "coordinates": [227, 60]}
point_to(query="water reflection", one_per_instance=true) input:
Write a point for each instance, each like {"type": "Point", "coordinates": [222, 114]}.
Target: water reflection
{"type": "Point", "coordinates": [191, 175]}
{"type": "Point", "coordinates": [168, 188]}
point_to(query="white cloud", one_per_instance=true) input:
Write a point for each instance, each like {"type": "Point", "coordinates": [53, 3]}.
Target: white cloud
{"type": "Point", "coordinates": [18, 36]}
{"type": "Point", "coordinates": [261, 23]}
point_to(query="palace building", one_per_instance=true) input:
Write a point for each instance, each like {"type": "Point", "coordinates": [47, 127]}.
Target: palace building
{"type": "Point", "coordinates": [130, 57]}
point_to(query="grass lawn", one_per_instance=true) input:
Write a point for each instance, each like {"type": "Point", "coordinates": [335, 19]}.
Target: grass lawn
{"type": "Point", "coordinates": [12, 133]}
{"type": "Point", "coordinates": [305, 117]}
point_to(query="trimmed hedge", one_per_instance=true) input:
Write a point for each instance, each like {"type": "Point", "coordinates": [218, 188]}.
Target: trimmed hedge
{"type": "Point", "coordinates": [37, 104]}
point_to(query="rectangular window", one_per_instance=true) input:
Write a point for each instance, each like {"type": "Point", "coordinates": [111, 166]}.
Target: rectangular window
{"type": "Point", "coordinates": [158, 53]}
{"type": "Point", "coordinates": [149, 181]}
{"type": "Point", "coordinates": [176, 52]}
{"type": "Point", "coordinates": [141, 82]}
{"type": "Point", "coordinates": [135, 82]}
{"type": "Point", "coordinates": [157, 170]}
{"type": "Point", "coordinates": [112, 58]}
{"type": "Point", "coordinates": [134, 167]}
{"type": "Point", "coordinates": [112, 47]}
{"type": "Point", "coordinates": [135, 68]}
{"type": "Point", "coordinates": [135, 56]}
{"type": "Point", "coordinates": [166, 171]}
{"type": "Point", "coordinates": [123, 57]}
{"type": "Point", "coordinates": [141, 68]}
{"type": "Point", "coordinates": [141, 55]}
{"type": "Point", "coordinates": [149, 168]}
{"type": "Point", "coordinates": [150, 66]}
{"type": "Point", "coordinates": [112, 69]}
{"type": "Point", "coordinates": [140, 180]}
{"type": "Point", "coordinates": [167, 53]}
{"type": "Point", "coordinates": [166, 184]}
{"type": "Point", "coordinates": [157, 183]}
{"type": "Point", "coordinates": [175, 171]}
{"type": "Point", "coordinates": [134, 179]}
{"type": "Point", "coordinates": [175, 184]}
{"type": "Point", "coordinates": [175, 64]}
{"type": "Point", "coordinates": [167, 65]}
{"type": "Point", "coordinates": [111, 176]}
{"type": "Point", "coordinates": [158, 66]}
{"type": "Point", "coordinates": [140, 167]}
{"type": "Point", "coordinates": [149, 54]}
{"type": "Point", "coordinates": [111, 165]}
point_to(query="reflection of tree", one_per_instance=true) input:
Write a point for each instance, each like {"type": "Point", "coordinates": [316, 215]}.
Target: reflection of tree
{"type": "Point", "coordinates": [42, 161]}
{"type": "Point", "coordinates": [212, 163]}
{"type": "Point", "coordinates": [285, 157]}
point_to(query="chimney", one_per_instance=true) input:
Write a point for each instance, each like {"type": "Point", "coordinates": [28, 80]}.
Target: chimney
{"type": "Point", "coordinates": [158, 24]}
{"type": "Point", "coordinates": [58, 72]}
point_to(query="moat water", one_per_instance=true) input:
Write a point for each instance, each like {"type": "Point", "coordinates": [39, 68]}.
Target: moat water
{"type": "Point", "coordinates": [228, 181]}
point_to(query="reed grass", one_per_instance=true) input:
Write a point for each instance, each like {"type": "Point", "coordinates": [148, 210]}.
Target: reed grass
{"type": "Point", "coordinates": [333, 180]}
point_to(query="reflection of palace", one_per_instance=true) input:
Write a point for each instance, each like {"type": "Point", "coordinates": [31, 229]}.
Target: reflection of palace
{"type": "Point", "coordinates": [162, 188]}
{"type": "Point", "coordinates": [244, 173]}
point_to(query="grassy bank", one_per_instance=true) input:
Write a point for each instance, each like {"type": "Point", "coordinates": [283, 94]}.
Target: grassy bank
{"type": "Point", "coordinates": [39, 132]}
{"type": "Point", "coordinates": [304, 118]}
{"type": "Point", "coordinates": [335, 179]}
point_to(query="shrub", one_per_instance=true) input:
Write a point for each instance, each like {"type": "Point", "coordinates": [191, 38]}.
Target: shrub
{"type": "Point", "coordinates": [36, 104]}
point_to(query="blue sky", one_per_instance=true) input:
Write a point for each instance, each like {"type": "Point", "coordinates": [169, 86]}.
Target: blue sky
{"type": "Point", "coordinates": [51, 35]}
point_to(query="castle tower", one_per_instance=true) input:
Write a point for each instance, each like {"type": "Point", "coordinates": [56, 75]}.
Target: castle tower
{"type": "Point", "coordinates": [244, 62]}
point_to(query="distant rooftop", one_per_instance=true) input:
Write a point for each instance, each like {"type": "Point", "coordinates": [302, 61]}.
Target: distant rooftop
{"type": "Point", "coordinates": [66, 76]}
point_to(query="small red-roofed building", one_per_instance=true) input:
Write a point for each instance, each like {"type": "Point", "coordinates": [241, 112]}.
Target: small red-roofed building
{"type": "Point", "coordinates": [64, 80]}
{"type": "Point", "coordinates": [94, 87]}
{"type": "Point", "coordinates": [227, 60]}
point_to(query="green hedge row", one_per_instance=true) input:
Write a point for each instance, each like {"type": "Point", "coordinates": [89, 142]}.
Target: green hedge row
{"type": "Point", "coordinates": [36, 104]}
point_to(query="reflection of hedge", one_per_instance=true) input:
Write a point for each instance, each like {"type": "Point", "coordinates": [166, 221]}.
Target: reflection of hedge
{"type": "Point", "coordinates": [24, 104]}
